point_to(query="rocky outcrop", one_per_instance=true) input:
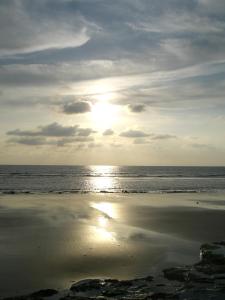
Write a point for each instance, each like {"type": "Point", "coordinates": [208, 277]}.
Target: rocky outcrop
{"type": "Point", "coordinates": [201, 281]}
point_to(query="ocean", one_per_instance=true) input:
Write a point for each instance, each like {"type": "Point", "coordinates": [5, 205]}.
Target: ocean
{"type": "Point", "coordinates": [110, 179]}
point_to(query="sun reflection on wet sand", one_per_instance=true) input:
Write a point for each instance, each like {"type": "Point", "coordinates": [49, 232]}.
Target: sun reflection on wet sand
{"type": "Point", "coordinates": [105, 207]}
{"type": "Point", "coordinates": [102, 229]}
{"type": "Point", "coordinates": [103, 221]}
{"type": "Point", "coordinates": [102, 235]}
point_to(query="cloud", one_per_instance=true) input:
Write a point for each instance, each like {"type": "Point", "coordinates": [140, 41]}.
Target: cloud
{"type": "Point", "coordinates": [76, 107]}
{"type": "Point", "coordinates": [27, 28]}
{"type": "Point", "coordinates": [94, 145]}
{"type": "Point", "coordinates": [133, 134]}
{"type": "Point", "coordinates": [54, 130]}
{"type": "Point", "coordinates": [136, 108]}
{"type": "Point", "coordinates": [66, 141]}
{"type": "Point", "coordinates": [203, 146]}
{"type": "Point", "coordinates": [164, 137]}
{"type": "Point", "coordinates": [167, 55]}
{"type": "Point", "coordinates": [108, 132]}
{"type": "Point", "coordinates": [116, 145]}
{"type": "Point", "coordinates": [48, 141]}
{"type": "Point", "coordinates": [212, 7]}
{"type": "Point", "coordinates": [85, 131]}
{"type": "Point", "coordinates": [30, 141]}
{"type": "Point", "coordinates": [180, 22]}
{"type": "Point", "coordinates": [140, 141]}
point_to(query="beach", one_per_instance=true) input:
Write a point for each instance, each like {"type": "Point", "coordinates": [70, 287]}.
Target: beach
{"type": "Point", "coordinates": [112, 153]}
{"type": "Point", "coordinates": [53, 240]}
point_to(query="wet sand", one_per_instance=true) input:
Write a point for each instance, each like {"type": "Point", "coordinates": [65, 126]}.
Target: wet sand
{"type": "Point", "coordinates": [53, 240]}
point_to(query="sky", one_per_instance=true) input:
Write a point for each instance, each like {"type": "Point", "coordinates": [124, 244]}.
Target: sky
{"type": "Point", "coordinates": [122, 82]}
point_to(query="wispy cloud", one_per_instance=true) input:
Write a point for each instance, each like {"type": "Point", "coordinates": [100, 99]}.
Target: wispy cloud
{"type": "Point", "coordinates": [133, 133]}
{"type": "Point", "coordinates": [28, 28]}
{"type": "Point", "coordinates": [163, 136]}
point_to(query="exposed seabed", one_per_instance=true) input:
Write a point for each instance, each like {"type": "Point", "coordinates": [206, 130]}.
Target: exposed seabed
{"type": "Point", "coordinates": [203, 280]}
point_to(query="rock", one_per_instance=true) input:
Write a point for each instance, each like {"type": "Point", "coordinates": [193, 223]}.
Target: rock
{"type": "Point", "coordinates": [162, 296]}
{"type": "Point", "coordinates": [213, 253]}
{"type": "Point", "coordinates": [210, 269]}
{"type": "Point", "coordinates": [87, 285]}
{"type": "Point", "coordinates": [44, 293]}
{"type": "Point", "coordinates": [222, 243]}
{"type": "Point", "coordinates": [112, 292]}
{"type": "Point", "coordinates": [179, 273]}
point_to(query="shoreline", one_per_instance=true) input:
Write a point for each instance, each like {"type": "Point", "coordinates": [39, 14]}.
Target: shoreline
{"type": "Point", "coordinates": [202, 280]}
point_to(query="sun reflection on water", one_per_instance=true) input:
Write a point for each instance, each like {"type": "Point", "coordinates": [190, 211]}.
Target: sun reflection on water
{"type": "Point", "coordinates": [103, 170]}
{"type": "Point", "coordinates": [103, 178]}
{"type": "Point", "coordinates": [102, 183]}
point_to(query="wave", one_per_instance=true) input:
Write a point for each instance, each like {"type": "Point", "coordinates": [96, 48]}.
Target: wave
{"type": "Point", "coordinates": [114, 175]}
{"type": "Point", "coordinates": [79, 191]}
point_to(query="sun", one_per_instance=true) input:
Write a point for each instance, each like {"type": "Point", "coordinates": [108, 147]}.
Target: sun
{"type": "Point", "coordinates": [104, 115]}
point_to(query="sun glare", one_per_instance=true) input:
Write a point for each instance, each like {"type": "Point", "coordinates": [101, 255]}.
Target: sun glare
{"type": "Point", "coordinates": [102, 232]}
{"type": "Point", "coordinates": [106, 208]}
{"type": "Point", "coordinates": [104, 115]}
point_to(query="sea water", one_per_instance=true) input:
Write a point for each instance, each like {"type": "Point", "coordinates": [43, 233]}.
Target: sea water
{"type": "Point", "coordinates": [113, 179]}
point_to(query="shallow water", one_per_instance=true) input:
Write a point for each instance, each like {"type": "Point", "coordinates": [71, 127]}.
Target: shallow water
{"type": "Point", "coordinates": [52, 240]}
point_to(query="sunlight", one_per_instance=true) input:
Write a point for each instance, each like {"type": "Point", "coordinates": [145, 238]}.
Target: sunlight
{"type": "Point", "coordinates": [103, 178]}
{"type": "Point", "coordinates": [104, 115]}
{"type": "Point", "coordinates": [102, 231]}
{"type": "Point", "coordinates": [102, 183]}
{"type": "Point", "coordinates": [100, 87]}
{"type": "Point", "coordinates": [105, 207]}
{"type": "Point", "coordinates": [103, 221]}
{"type": "Point", "coordinates": [103, 170]}
{"type": "Point", "coordinates": [102, 235]}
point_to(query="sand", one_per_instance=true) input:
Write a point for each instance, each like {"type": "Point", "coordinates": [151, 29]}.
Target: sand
{"type": "Point", "coordinates": [52, 240]}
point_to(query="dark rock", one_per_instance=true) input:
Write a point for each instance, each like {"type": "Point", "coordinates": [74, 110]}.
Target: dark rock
{"type": "Point", "coordinates": [111, 281]}
{"type": "Point", "coordinates": [44, 293]}
{"type": "Point", "coordinates": [222, 243]}
{"type": "Point", "coordinates": [210, 269]}
{"type": "Point", "coordinates": [160, 284]}
{"type": "Point", "coordinates": [86, 285]}
{"type": "Point", "coordinates": [162, 296]}
{"type": "Point", "coordinates": [149, 278]}
{"type": "Point", "coordinates": [179, 273]}
{"type": "Point", "coordinates": [125, 283]}
{"type": "Point", "coordinates": [113, 292]}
